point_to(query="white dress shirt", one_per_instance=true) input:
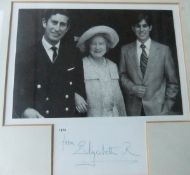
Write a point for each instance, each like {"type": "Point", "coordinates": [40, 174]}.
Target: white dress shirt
{"type": "Point", "coordinates": [47, 46]}
{"type": "Point", "coordinates": [139, 49]}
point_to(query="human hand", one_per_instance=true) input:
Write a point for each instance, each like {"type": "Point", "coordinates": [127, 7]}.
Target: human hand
{"type": "Point", "coordinates": [80, 103]}
{"type": "Point", "coordinates": [139, 91]}
{"type": "Point", "coordinates": [31, 113]}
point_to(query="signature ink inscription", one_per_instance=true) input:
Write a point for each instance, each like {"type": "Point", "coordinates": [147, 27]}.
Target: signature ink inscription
{"type": "Point", "coordinates": [90, 154]}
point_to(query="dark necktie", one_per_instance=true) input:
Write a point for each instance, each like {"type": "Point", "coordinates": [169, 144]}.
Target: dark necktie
{"type": "Point", "coordinates": [54, 52]}
{"type": "Point", "coordinates": [143, 60]}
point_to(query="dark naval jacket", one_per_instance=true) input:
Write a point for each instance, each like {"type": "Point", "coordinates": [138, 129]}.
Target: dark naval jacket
{"type": "Point", "coordinates": [45, 86]}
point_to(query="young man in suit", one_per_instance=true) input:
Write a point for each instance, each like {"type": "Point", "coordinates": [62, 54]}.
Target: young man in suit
{"type": "Point", "coordinates": [148, 74]}
{"type": "Point", "coordinates": [49, 78]}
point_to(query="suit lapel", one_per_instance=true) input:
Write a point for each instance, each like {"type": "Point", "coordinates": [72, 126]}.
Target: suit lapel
{"type": "Point", "coordinates": [134, 59]}
{"type": "Point", "coordinates": [151, 61]}
{"type": "Point", "coordinates": [42, 54]}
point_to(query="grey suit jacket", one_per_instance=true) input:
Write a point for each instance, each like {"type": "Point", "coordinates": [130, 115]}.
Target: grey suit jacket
{"type": "Point", "coordinates": [160, 80]}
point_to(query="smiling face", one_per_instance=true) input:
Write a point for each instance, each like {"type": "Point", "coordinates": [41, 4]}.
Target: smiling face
{"type": "Point", "coordinates": [55, 28]}
{"type": "Point", "coordinates": [98, 46]}
{"type": "Point", "coordinates": [142, 31]}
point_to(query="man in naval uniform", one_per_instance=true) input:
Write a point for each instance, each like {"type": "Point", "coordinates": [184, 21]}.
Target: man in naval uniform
{"type": "Point", "coordinates": [49, 78]}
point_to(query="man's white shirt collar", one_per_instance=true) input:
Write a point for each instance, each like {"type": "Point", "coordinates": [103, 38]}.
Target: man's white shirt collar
{"type": "Point", "coordinates": [47, 46]}
{"type": "Point", "coordinates": [147, 44]}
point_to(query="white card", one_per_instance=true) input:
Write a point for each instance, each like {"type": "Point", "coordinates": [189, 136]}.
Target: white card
{"type": "Point", "coordinates": [104, 147]}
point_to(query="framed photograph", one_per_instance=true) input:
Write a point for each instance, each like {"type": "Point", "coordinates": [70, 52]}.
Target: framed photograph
{"type": "Point", "coordinates": [130, 81]}
{"type": "Point", "coordinates": [98, 71]}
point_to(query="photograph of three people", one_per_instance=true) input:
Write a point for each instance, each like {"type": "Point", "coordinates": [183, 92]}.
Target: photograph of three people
{"type": "Point", "coordinates": [70, 62]}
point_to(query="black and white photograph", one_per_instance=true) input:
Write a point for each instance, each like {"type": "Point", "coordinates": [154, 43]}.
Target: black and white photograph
{"type": "Point", "coordinates": [119, 60]}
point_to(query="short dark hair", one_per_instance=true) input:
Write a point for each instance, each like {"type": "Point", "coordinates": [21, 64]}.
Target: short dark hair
{"type": "Point", "coordinates": [49, 12]}
{"type": "Point", "coordinates": [142, 16]}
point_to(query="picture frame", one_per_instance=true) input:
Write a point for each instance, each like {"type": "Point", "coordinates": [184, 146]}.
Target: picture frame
{"type": "Point", "coordinates": [23, 13]}
{"type": "Point", "coordinates": [168, 133]}
{"type": "Point", "coordinates": [172, 37]}
{"type": "Point", "coordinates": [23, 155]}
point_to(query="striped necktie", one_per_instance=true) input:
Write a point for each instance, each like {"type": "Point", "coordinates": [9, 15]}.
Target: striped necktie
{"type": "Point", "coordinates": [143, 59]}
{"type": "Point", "coordinates": [54, 52]}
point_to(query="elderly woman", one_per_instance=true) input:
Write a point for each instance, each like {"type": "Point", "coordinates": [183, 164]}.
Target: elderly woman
{"type": "Point", "coordinates": [104, 97]}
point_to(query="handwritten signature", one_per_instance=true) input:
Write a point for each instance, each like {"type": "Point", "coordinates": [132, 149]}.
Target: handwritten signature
{"type": "Point", "coordinates": [90, 154]}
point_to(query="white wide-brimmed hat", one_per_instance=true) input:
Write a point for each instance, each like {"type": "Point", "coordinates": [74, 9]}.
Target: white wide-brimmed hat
{"type": "Point", "coordinates": [110, 33]}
